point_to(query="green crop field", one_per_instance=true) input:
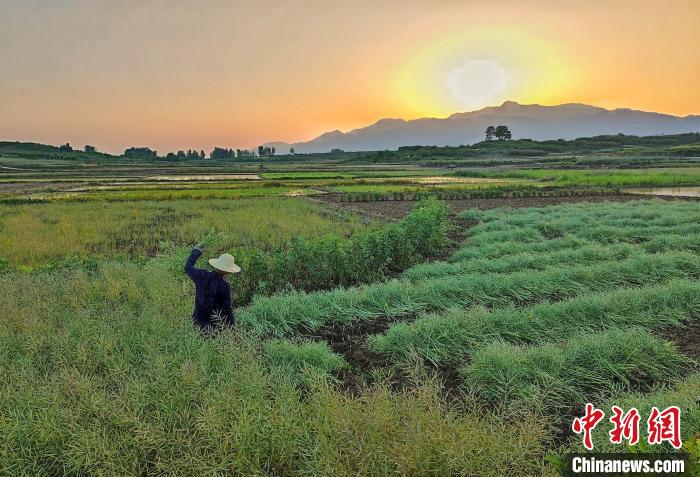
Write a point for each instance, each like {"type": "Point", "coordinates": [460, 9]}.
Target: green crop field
{"type": "Point", "coordinates": [451, 337]}
{"type": "Point", "coordinates": [55, 232]}
{"type": "Point", "coordinates": [667, 177]}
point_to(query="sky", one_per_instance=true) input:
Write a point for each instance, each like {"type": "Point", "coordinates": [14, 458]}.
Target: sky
{"type": "Point", "coordinates": [173, 74]}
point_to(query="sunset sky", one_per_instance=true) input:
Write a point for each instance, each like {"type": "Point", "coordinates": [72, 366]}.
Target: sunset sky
{"type": "Point", "coordinates": [195, 74]}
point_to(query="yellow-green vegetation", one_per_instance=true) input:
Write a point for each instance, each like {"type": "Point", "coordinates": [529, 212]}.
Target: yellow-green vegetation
{"type": "Point", "coordinates": [658, 177]}
{"type": "Point", "coordinates": [107, 377]}
{"type": "Point", "coordinates": [147, 193]}
{"type": "Point", "coordinates": [32, 235]}
{"type": "Point", "coordinates": [354, 176]}
{"type": "Point", "coordinates": [364, 350]}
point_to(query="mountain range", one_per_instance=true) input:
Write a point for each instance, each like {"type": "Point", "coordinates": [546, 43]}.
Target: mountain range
{"type": "Point", "coordinates": [533, 121]}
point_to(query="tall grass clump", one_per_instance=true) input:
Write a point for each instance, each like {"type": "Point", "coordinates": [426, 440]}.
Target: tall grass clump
{"type": "Point", "coordinates": [330, 261]}
{"type": "Point", "coordinates": [451, 338]}
{"type": "Point", "coordinates": [582, 369]}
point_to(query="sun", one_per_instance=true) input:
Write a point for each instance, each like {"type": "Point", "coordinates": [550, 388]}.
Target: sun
{"type": "Point", "coordinates": [468, 70]}
{"type": "Point", "coordinates": [477, 82]}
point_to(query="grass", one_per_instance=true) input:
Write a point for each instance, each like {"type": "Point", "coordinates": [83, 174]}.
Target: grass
{"type": "Point", "coordinates": [587, 367]}
{"type": "Point", "coordinates": [540, 309]}
{"type": "Point", "coordinates": [165, 195]}
{"type": "Point", "coordinates": [452, 338]}
{"type": "Point", "coordinates": [108, 377]}
{"type": "Point", "coordinates": [403, 299]}
{"type": "Point", "coordinates": [522, 261]}
{"type": "Point", "coordinates": [59, 231]}
{"type": "Point", "coordinates": [301, 356]}
{"type": "Point", "coordinates": [540, 255]}
{"type": "Point", "coordinates": [669, 177]}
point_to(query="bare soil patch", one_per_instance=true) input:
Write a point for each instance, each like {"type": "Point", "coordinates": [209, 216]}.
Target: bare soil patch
{"type": "Point", "coordinates": [28, 187]}
{"type": "Point", "coordinates": [686, 339]}
{"type": "Point", "coordinates": [348, 340]}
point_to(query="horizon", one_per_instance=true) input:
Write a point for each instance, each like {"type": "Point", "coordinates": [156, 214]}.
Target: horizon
{"type": "Point", "coordinates": [278, 143]}
{"type": "Point", "coordinates": [174, 75]}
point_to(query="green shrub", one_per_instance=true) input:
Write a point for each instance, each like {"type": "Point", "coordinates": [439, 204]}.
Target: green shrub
{"type": "Point", "coordinates": [327, 262]}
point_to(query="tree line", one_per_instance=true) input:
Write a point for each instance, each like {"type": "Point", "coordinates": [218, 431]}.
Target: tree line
{"type": "Point", "coordinates": [218, 153]}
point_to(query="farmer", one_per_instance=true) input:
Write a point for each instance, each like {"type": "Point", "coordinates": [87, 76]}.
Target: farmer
{"type": "Point", "coordinates": [213, 306]}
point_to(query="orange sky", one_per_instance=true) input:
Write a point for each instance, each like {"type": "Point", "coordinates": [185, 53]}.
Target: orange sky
{"type": "Point", "coordinates": [181, 74]}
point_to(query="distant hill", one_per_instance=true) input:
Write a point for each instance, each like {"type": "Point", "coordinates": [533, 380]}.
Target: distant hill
{"type": "Point", "coordinates": [33, 150]}
{"type": "Point", "coordinates": [533, 121]}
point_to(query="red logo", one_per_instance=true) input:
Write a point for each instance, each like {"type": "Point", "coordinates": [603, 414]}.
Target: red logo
{"type": "Point", "coordinates": [662, 426]}
{"type": "Point", "coordinates": [587, 423]}
{"type": "Point", "coordinates": [626, 426]}
{"type": "Point", "coordinates": [665, 426]}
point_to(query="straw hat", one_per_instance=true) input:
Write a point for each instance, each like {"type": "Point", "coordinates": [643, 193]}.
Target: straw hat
{"type": "Point", "coordinates": [225, 263]}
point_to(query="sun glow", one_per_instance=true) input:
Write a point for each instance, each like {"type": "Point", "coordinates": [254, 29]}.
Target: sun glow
{"type": "Point", "coordinates": [482, 67]}
{"type": "Point", "coordinates": [477, 82]}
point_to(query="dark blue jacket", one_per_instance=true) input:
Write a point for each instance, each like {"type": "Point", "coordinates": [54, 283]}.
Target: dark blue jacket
{"type": "Point", "coordinates": [212, 296]}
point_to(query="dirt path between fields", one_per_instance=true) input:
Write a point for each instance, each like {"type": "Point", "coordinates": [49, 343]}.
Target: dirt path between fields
{"type": "Point", "coordinates": [392, 210]}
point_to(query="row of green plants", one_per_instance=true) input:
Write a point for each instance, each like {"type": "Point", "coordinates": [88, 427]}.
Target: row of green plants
{"type": "Point", "coordinates": [499, 233]}
{"type": "Point", "coordinates": [403, 299]}
{"type": "Point", "coordinates": [521, 261]}
{"type": "Point", "coordinates": [659, 177]}
{"type": "Point", "coordinates": [490, 192]}
{"type": "Point", "coordinates": [451, 338]}
{"type": "Point", "coordinates": [604, 233]}
{"type": "Point", "coordinates": [558, 377]}
{"type": "Point", "coordinates": [331, 261]}
{"type": "Point", "coordinates": [629, 213]}
{"type": "Point", "coordinates": [538, 256]}
{"type": "Point", "coordinates": [633, 222]}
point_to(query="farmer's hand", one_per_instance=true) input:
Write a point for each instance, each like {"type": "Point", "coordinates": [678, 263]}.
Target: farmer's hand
{"type": "Point", "coordinates": [198, 246]}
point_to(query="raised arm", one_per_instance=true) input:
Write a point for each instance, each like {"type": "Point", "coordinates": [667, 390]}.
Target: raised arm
{"type": "Point", "coordinates": [190, 270]}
